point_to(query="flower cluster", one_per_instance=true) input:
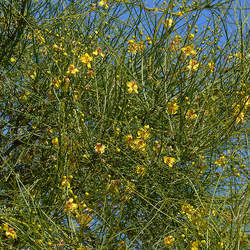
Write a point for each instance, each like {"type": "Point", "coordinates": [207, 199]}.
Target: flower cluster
{"type": "Point", "coordinates": [187, 210]}
{"type": "Point", "coordinates": [99, 148]}
{"type": "Point", "coordinates": [139, 143]}
{"type": "Point", "coordinates": [140, 170]}
{"type": "Point", "coordinates": [211, 67]}
{"type": "Point", "coordinates": [98, 52]}
{"type": "Point", "coordinates": [193, 65]}
{"type": "Point", "coordinates": [176, 42]}
{"type": "Point", "coordinates": [168, 23]}
{"type": "Point", "coordinates": [103, 3]}
{"type": "Point", "coordinates": [222, 161]}
{"type": "Point", "coordinates": [172, 108]}
{"type": "Point", "coordinates": [169, 160]}
{"type": "Point", "coordinates": [86, 59]}
{"type": "Point", "coordinates": [65, 182]}
{"type": "Point", "coordinates": [135, 46]}
{"type": "Point", "coordinates": [70, 206]}
{"type": "Point", "coordinates": [191, 114]}
{"type": "Point", "coordinates": [169, 240]}
{"type": "Point", "coordinates": [10, 233]}
{"type": "Point", "coordinates": [198, 219]}
{"type": "Point", "coordinates": [72, 70]}
{"type": "Point", "coordinates": [132, 87]}
{"type": "Point", "coordinates": [144, 132]}
{"type": "Point", "coordinates": [189, 50]}
{"type": "Point", "coordinates": [55, 141]}
{"type": "Point", "coordinates": [239, 112]}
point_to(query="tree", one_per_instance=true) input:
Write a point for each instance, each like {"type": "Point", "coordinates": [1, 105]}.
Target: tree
{"type": "Point", "coordinates": [123, 124]}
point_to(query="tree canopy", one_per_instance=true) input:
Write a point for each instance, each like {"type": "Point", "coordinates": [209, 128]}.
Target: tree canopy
{"type": "Point", "coordinates": [123, 124]}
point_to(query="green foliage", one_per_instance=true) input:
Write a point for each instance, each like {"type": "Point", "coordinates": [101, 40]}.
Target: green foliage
{"type": "Point", "coordinates": [123, 125]}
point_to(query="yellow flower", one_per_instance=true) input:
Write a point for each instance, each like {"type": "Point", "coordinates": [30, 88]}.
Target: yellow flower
{"type": "Point", "coordinates": [141, 46]}
{"type": "Point", "coordinates": [86, 59]}
{"type": "Point", "coordinates": [191, 114]}
{"type": "Point", "coordinates": [128, 138]}
{"type": "Point", "coordinates": [40, 39]}
{"type": "Point", "coordinates": [70, 205]}
{"type": "Point", "coordinates": [179, 14]}
{"type": "Point", "coordinates": [195, 245]}
{"type": "Point", "coordinates": [169, 161]}
{"type": "Point", "coordinates": [140, 170]}
{"type": "Point", "coordinates": [55, 141]}
{"type": "Point", "coordinates": [12, 60]}
{"type": "Point", "coordinates": [193, 65]}
{"type": "Point", "coordinates": [191, 36]}
{"type": "Point", "coordinates": [240, 115]}
{"type": "Point", "coordinates": [57, 48]}
{"type": "Point", "coordinates": [139, 144]}
{"type": "Point", "coordinates": [72, 70]}
{"type": "Point", "coordinates": [134, 46]}
{"type": "Point", "coordinates": [238, 55]}
{"type": "Point", "coordinates": [211, 66]}
{"type": "Point", "coordinates": [222, 161]}
{"type": "Point", "coordinates": [65, 182]}
{"type": "Point", "coordinates": [172, 108]}
{"type": "Point", "coordinates": [56, 83]}
{"type": "Point", "coordinates": [76, 95]}
{"type": "Point", "coordinates": [33, 75]}
{"type": "Point", "coordinates": [168, 23]}
{"type": "Point", "coordinates": [220, 244]}
{"type": "Point", "coordinates": [5, 227]}
{"type": "Point", "coordinates": [187, 210]}
{"type": "Point", "coordinates": [132, 87]}
{"type": "Point", "coordinates": [144, 132]}
{"type": "Point", "coordinates": [169, 240]}
{"type": "Point", "coordinates": [102, 3]}
{"type": "Point", "coordinates": [189, 50]}
{"type": "Point", "coordinates": [247, 102]}
{"type": "Point", "coordinates": [176, 42]}
{"type": "Point", "coordinates": [11, 234]}
{"type": "Point", "coordinates": [98, 52]}
{"type": "Point", "coordinates": [99, 148]}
